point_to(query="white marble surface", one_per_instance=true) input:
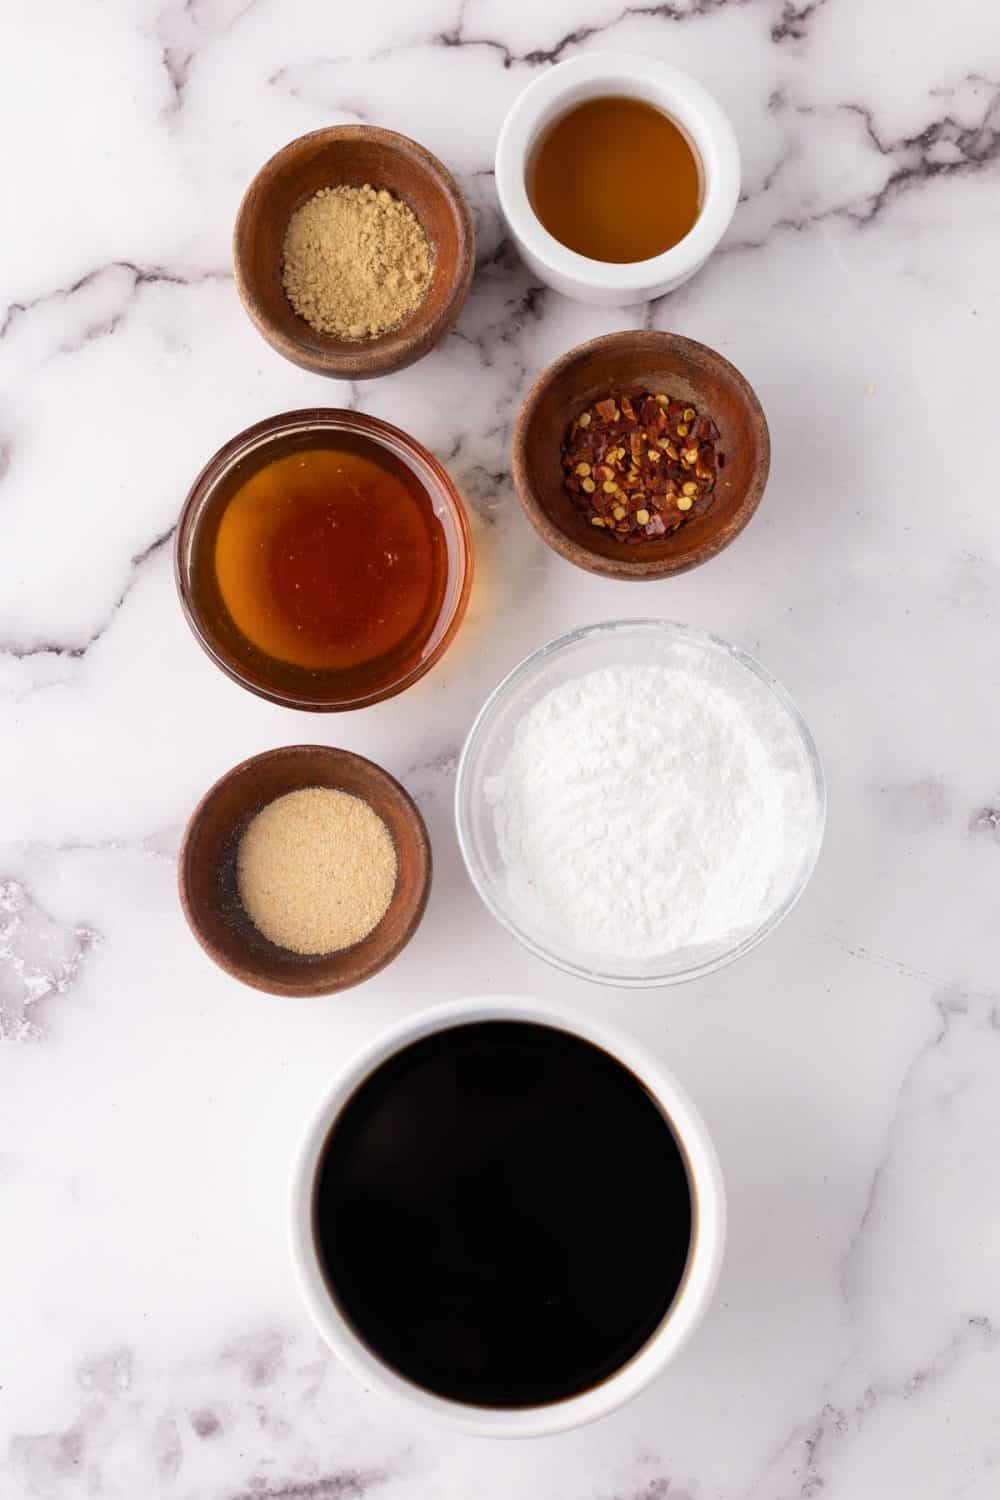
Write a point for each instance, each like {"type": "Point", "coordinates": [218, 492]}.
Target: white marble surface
{"type": "Point", "coordinates": [152, 1341]}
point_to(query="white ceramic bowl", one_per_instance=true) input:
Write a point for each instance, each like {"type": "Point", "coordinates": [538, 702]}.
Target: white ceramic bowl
{"type": "Point", "coordinates": [690, 1302]}
{"type": "Point", "coordinates": [687, 103]}
{"type": "Point", "coordinates": [623, 643]}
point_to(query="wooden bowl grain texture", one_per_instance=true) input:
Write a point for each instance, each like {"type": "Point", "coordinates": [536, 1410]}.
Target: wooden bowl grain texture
{"type": "Point", "coordinates": [207, 870]}
{"type": "Point", "coordinates": [688, 371]}
{"type": "Point", "coordinates": [352, 155]}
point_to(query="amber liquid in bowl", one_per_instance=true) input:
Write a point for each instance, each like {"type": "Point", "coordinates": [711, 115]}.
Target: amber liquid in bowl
{"type": "Point", "coordinates": [321, 568]}
{"type": "Point", "coordinates": [615, 179]}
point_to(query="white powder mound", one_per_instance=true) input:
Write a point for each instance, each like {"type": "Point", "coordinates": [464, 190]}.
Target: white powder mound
{"type": "Point", "coordinates": [643, 809]}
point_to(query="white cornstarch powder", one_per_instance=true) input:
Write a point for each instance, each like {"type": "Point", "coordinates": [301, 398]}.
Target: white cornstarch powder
{"type": "Point", "coordinates": [644, 808]}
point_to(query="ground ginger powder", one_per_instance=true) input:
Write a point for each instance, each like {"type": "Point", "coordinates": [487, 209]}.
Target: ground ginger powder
{"type": "Point", "coordinates": [316, 870]}
{"type": "Point", "coordinates": [356, 261]}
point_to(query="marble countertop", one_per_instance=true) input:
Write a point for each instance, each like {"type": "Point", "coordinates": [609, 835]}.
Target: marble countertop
{"type": "Point", "coordinates": [153, 1342]}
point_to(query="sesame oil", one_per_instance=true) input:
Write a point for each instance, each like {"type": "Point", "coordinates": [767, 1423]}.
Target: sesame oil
{"type": "Point", "coordinates": [615, 179]}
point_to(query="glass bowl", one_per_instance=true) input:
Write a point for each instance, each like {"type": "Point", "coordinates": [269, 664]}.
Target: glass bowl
{"type": "Point", "coordinates": [637, 642]}
{"type": "Point", "coordinates": [323, 691]}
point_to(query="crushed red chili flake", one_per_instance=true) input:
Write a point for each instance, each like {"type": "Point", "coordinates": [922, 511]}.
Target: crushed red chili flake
{"type": "Point", "coordinates": [639, 465]}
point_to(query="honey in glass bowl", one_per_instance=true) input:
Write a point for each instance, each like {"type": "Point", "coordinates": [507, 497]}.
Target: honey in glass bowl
{"type": "Point", "coordinates": [323, 559]}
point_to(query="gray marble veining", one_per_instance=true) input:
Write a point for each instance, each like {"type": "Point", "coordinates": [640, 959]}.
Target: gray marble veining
{"type": "Point", "coordinates": [154, 1343]}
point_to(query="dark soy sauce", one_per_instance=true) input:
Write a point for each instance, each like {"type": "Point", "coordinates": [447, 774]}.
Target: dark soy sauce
{"type": "Point", "coordinates": [503, 1214]}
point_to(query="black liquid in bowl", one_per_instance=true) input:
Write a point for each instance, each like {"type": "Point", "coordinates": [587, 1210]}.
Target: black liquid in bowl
{"type": "Point", "coordinates": [503, 1214]}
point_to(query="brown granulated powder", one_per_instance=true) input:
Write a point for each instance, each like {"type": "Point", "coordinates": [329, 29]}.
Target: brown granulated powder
{"type": "Point", "coordinates": [316, 870]}
{"type": "Point", "coordinates": [357, 261]}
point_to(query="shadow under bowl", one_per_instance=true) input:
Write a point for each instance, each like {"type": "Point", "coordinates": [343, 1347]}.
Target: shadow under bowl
{"type": "Point", "coordinates": [207, 870]}
{"type": "Point", "coordinates": [352, 155]}
{"type": "Point", "coordinates": [658, 362]}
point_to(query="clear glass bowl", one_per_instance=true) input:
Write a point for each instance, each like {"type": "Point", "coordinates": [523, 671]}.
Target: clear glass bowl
{"type": "Point", "coordinates": [636, 642]}
{"type": "Point", "coordinates": [297, 687]}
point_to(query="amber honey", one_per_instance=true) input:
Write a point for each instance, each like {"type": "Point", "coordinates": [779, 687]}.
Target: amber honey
{"type": "Point", "coordinates": [326, 559]}
{"type": "Point", "coordinates": [616, 179]}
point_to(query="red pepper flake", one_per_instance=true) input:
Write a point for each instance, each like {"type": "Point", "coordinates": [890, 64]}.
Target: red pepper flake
{"type": "Point", "coordinates": [639, 465]}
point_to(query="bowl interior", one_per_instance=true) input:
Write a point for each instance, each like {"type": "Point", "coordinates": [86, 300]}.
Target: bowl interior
{"type": "Point", "coordinates": [207, 870]}
{"type": "Point", "coordinates": [659, 362]}
{"type": "Point", "coordinates": [351, 155]}
{"type": "Point", "coordinates": [282, 682]}
{"type": "Point", "coordinates": [637, 643]}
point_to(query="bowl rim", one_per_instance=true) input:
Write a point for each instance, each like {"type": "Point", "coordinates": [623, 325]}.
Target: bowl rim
{"type": "Point", "coordinates": [698, 113]}
{"type": "Point", "coordinates": [578, 552]}
{"type": "Point", "coordinates": [505, 689]}
{"type": "Point", "coordinates": [693, 1296]}
{"type": "Point", "coordinates": [308, 987]}
{"type": "Point", "coordinates": [258, 435]}
{"type": "Point", "coordinates": [416, 335]}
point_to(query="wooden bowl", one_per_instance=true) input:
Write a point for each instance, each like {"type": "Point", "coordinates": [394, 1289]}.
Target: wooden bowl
{"type": "Point", "coordinates": [661, 362]}
{"type": "Point", "coordinates": [352, 155]}
{"type": "Point", "coordinates": [207, 870]}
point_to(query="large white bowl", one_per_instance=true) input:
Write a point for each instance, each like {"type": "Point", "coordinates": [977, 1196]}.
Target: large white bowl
{"type": "Point", "coordinates": [690, 1302]}
{"type": "Point", "coordinates": [631, 643]}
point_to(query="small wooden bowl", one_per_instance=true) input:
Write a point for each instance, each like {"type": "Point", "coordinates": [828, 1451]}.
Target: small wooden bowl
{"type": "Point", "coordinates": [207, 870]}
{"type": "Point", "coordinates": [661, 362]}
{"type": "Point", "coordinates": [352, 155]}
